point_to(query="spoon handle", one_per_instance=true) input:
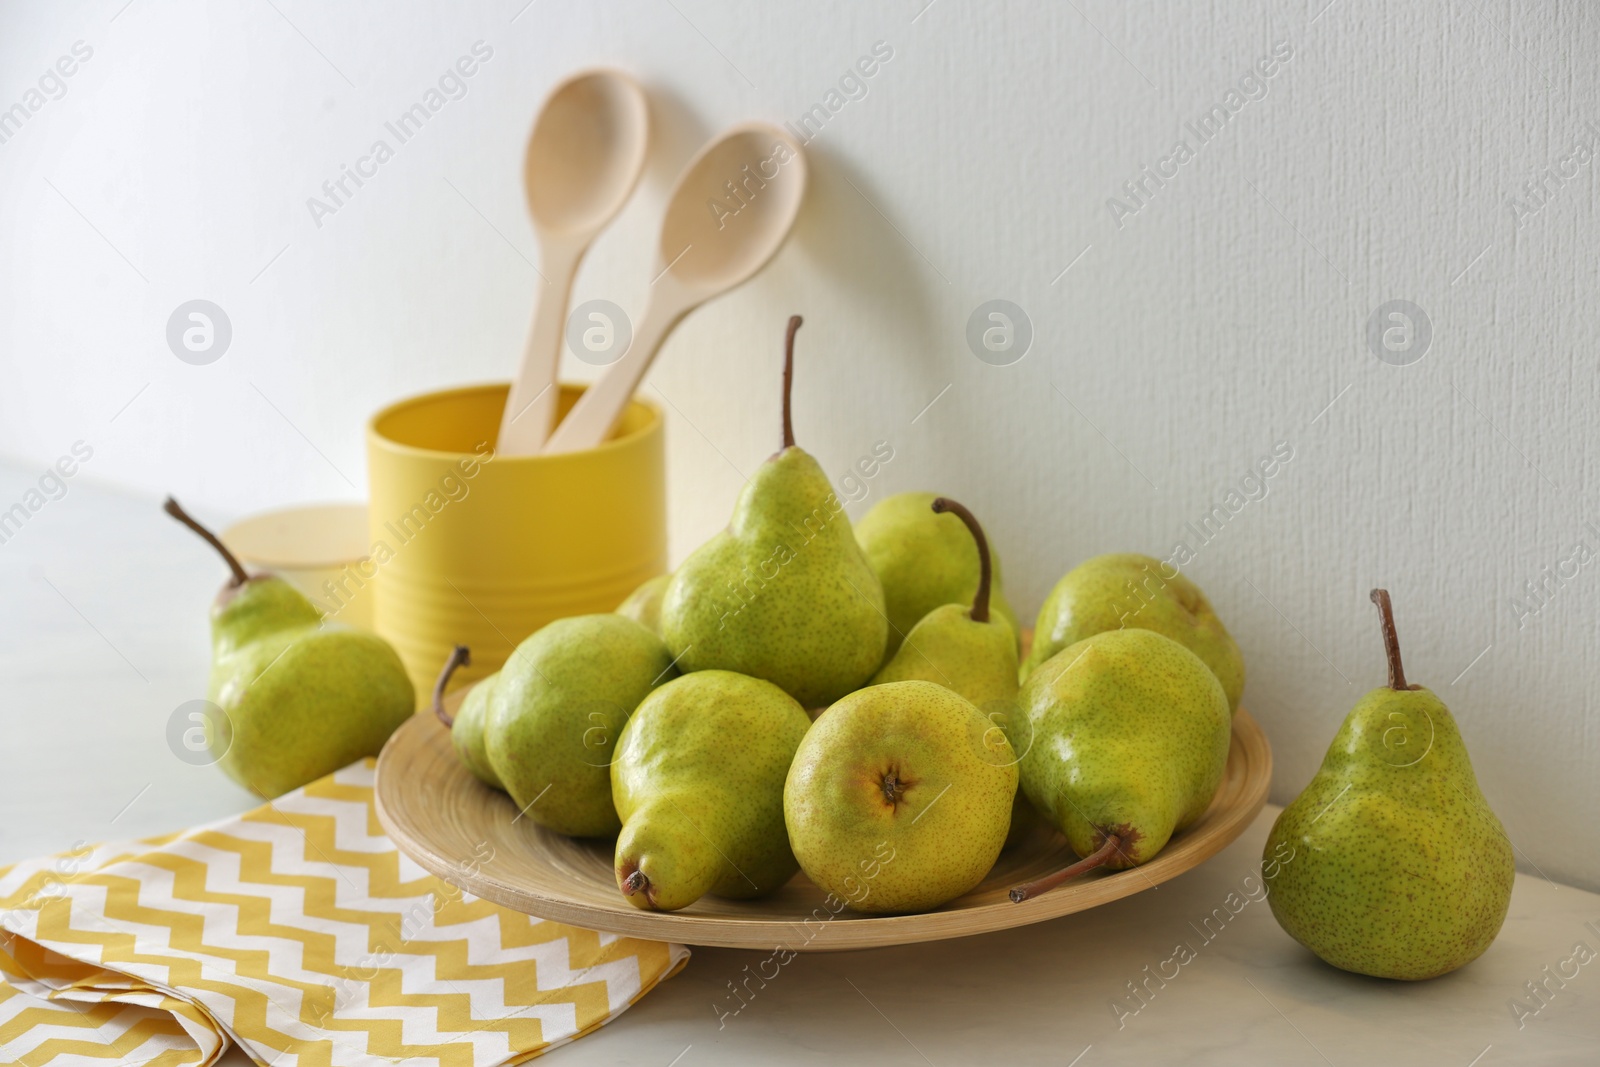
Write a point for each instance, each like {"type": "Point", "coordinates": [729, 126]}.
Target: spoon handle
{"type": "Point", "coordinates": [531, 404]}
{"type": "Point", "coordinates": [597, 410]}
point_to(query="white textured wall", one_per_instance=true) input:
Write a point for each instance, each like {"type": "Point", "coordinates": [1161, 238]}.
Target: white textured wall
{"type": "Point", "coordinates": [1220, 318]}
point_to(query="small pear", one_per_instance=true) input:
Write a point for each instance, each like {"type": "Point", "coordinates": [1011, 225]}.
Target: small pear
{"type": "Point", "coordinates": [562, 699]}
{"type": "Point", "coordinates": [643, 605]}
{"type": "Point", "coordinates": [467, 727]}
{"type": "Point", "coordinates": [302, 698]}
{"type": "Point", "coordinates": [924, 559]}
{"type": "Point", "coordinates": [698, 783]}
{"type": "Point", "coordinates": [1128, 591]}
{"type": "Point", "coordinates": [1129, 737]}
{"type": "Point", "coordinates": [1391, 862]}
{"type": "Point", "coordinates": [899, 799]}
{"type": "Point", "coordinates": [965, 649]}
{"type": "Point", "coordinates": [784, 593]}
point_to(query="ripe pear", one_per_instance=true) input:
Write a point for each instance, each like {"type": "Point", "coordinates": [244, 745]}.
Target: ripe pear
{"type": "Point", "coordinates": [968, 651]}
{"type": "Point", "coordinates": [468, 725]}
{"type": "Point", "coordinates": [1391, 862]}
{"type": "Point", "coordinates": [1130, 735]}
{"type": "Point", "coordinates": [1130, 591]}
{"type": "Point", "coordinates": [698, 782]}
{"type": "Point", "coordinates": [899, 799]}
{"type": "Point", "coordinates": [784, 593]}
{"type": "Point", "coordinates": [561, 702]}
{"type": "Point", "coordinates": [301, 698]}
{"type": "Point", "coordinates": [643, 605]}
{"type": "Point", "coordinates": [924, 559]}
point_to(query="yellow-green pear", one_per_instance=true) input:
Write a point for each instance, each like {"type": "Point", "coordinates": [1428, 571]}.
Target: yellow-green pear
{"type": "Point", "coordinates": [698, 783]}
{"type": "Point", "coordinates": [643, 605]}
{"type": "Point", "coordinates": [924, 559]}
{"type": "Point", "coordinates": [899, 798]}
{"type": "Point", "coordinates": [1127, 591]}
{"type": "Point", "coordinates": [561, 702]}
{"type": "Point", "coordinates": [301, 698]}
{"type": "Point", "coordinates": [784, 593]}
{"type": "Point", "coordinates": [1129, 738]}
{"type": "Point", "coordinates": [1391, 862]}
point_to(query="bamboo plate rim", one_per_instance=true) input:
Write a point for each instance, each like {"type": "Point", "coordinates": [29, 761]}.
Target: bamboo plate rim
{"type": "Point", "coordinates": [460, 830]}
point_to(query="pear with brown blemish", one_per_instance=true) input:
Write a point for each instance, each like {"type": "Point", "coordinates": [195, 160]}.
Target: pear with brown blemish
{"type": "Point", "coordinates": [900, 797]}
{"type": "Point", "coordinates": [1397, 867]}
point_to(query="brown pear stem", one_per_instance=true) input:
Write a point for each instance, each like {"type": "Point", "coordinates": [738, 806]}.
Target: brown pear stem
{"type": "Point", "coordinates": [173, 508]}
{"type": "Point", "coordinates": [788, 379]}
{"type": "Point", "coordinates": [635, 883]}
{"type": "Point", "coordinates": [1391, 640]}
{"type": "Point", "coordinates": [1099, 858]}
{"type": "Point", "coordinates": [459, 656]}
{"type": "Point", "coordinates": [980, 600]}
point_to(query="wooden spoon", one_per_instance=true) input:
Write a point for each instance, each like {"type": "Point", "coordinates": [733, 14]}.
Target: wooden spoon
{"type": "Point", "coordinates": [730, 211]}
{"type": "Point", "coordinates": [583, 160]}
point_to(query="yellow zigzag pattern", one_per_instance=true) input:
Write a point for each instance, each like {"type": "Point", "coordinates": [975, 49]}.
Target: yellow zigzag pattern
{"type": "Point", "coordinates": [301, 932]}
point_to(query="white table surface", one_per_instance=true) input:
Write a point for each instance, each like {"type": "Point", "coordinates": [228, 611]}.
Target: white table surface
{"type": "Point", "coordinates": [104, 634]}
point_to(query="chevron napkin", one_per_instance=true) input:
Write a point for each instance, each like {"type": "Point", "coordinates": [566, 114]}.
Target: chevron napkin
{"type": "Point", "coordinates": [300, 932]}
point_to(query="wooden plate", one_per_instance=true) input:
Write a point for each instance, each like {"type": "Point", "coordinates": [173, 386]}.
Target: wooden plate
{"type": "Point", "coordinates": [463, 831]}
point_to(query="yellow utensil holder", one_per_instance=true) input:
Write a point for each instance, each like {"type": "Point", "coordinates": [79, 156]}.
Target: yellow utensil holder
{"type": "Point", "coordinates": [481, 550]}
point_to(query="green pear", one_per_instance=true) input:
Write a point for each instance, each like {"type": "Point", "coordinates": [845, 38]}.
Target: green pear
{"type": "Point", "coordinates": [1391, 862]}
{"type": "Point", "coordinates": [1128, 737]}
{"type": "Point", "coordinates": [968, 651]}
{"type": "Point", "coordinates": [469, 724]}
{"type": "Point", "coordinates": [784, 593]}
{"type": "Point", "coordinates": [301, 698]}
{"type": "Point", "coordinates": [643, 605]}
{"type": "Point", "coordinates": [562, 700]}
{"type": "Point", "coordinates": [698, 782]}
{"type": "Point", "coordinates": [923, 560]}
{"type": "Point", "coordinates": [1130, 591]}
{"type": "Point", "coordinates": [899, 799]}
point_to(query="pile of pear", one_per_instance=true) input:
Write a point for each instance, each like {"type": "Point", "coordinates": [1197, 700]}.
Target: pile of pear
{"type": "Point", "coordinates": [801, 694]}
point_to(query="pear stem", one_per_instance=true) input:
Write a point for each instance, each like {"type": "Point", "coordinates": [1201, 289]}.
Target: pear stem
{"type": "Point", "coordinates": [635, 883]}
{"type": "Point", "coordinates": [459, 656]}
{"type": "Point", "coordinates": [173, 508]}
{"type": "Point", "coordinates": [1098, 858]}
{"type": "Point", "coordinates": [788, 379]}
{"type": "Point", "coordinates": [1391, 640]}
{"type": "Point", "coordinates": [980, 600]}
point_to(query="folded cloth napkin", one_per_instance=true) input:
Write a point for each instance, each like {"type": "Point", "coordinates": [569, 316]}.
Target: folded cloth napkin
{"type": "Point", "coordinates": [300, 932]}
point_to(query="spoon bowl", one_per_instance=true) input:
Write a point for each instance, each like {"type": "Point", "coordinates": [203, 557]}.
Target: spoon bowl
{"type": "Point", "coordinates": [732, 207]}
{"type": "Point", "coordinates": [585, 153]}
{"type": "Point", "coordinates": [728, 214]}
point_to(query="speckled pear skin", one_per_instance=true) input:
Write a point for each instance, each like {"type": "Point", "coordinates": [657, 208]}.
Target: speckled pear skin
{"type": "Point", "coordinates": [698, 782]}
{"type": "Point", "coordinates": [1128, 591]}
{"type": "Point", "coordinates": [924, 559]}
{"type": "Point", "coordinates": [468, 732]}
{"type": "Point", "coordinates": [976, 659]}
{"type": "Point", "coordinates": [302, 698]}
{"type": "Point", "coordinates": [563, 698]}
{"type": "Point", "coordinates": [951, 775]}
{"type": "Point", "coordinates": [784, 593]}
{"type": "Point", "coordinates": [643, 605]}
{"type": "Point", "coordinates": [1396, 867]}
{"type": "Point", "coordinates": [1127, 733]}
